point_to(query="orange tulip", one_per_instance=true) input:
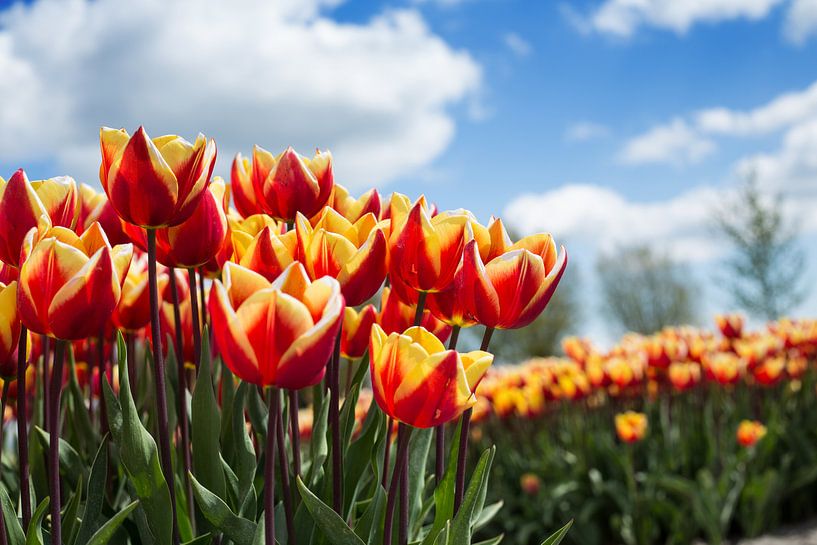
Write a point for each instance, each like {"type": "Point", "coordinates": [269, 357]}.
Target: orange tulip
{"type": "Point", "coordinates": [133, 311]}
{"type": "Point", "coordinates": [354, 336]}
{"type": "Point", "coordinates": [418, 382]}
{"type": "Point", "coordinates": [279, 334]}
{"type": "Point", "coordinates": [750, 432]}
{"type": "Point", "coordinates": [684, 375]}
{"type": "Point", "coordinates": [353, 253]}
{"type": "Point", "coordinates": [631, 426]}
{"type": "Point", "coordinates": [9, 330]}
{"type": "Point", "coordinates": [95, 207]}
{"type": "Point", "coordinates": [353, 209]}
{"type": "Point", "coordinates": [730, 325]}
{"type": "Point", "coordinates": [154, 182]}
{"type": "Point", "coordinates": [396, 316]}
{"type": "Point", "coordinates": [25, 204]}
{"type": "Point", "coordinates": [723, 367]}
{"type": "Point", "coordinates": [425, 251]}
{"type": "Point", "coordinates": [770, 371]}
{"type": "Point", "coordinates": [70, 285]}
{"type": "Point", "coordinates": [268, 252]}
{"type": "Point", "coordinates": [290, 183]}
{"type": "Point", "coordinates": [241, 186]}
{"type": "Point", "coordinates": [513, 288]}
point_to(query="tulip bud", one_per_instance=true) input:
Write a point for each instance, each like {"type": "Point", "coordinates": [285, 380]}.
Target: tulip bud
{"type": "Point", "coordinates": [355, 332]}
{"type": "Point", "coordinates": [750, 432]}
{"type": "Point", "coordinates": [631, 426]}
{"type": "Point", "coordinates": [9, 330]}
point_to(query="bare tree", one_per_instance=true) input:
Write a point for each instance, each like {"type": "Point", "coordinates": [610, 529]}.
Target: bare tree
{"type": "Point", "coordinates": [643, 291]}
{"type": "Point", "coordinates": [764, 272]}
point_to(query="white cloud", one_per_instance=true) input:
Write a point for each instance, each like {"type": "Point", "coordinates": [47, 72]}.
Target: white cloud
{"type": "Point", "coordinates": [517, 44]}
{"type": "Point", "coordinates": [779, 113]}
{"type": "Point", "coordinates": [246, 72]}
{"type": "Point", "coordinates": [604, 219]}
{"type": "Point", "coordinates": [586, 130]}
{"type": "Point", "coordinates": [623, 17]}
{"type": "Point", "coordinates": [675, 143]}
{"type": "Point", "coordinates": [801, 21]}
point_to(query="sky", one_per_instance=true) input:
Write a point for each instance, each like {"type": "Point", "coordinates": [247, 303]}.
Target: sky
{"type": "Point", "coordinates": [605, 122]}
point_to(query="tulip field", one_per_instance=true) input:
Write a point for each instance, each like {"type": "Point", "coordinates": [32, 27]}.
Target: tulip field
{"type": "Point", "coordinates": [186, 360]}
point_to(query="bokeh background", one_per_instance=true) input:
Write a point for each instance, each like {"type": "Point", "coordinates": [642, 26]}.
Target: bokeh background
{"type": "Point", "coordinates": [637, 131]}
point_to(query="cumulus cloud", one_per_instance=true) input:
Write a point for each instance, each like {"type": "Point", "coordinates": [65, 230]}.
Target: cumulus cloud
{"type": "Point", "coordinates": [624, 17]}
{"type": "Point", "coordinates": [586, 130]}
{"type": "Point", "coordinates": [674, 143]}
{"type": "Point", "coordinates": [801, 21]}
{"type": "Point", "coordinates": [246, 72]}
{"type": "Point", "coordinates": [605, 219]}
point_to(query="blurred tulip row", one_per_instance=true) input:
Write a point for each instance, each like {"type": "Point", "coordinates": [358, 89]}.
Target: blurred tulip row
{"type": "Point", "coordinates": [164, 342]}
{"type": "Point", "coordinates": [682, 435]}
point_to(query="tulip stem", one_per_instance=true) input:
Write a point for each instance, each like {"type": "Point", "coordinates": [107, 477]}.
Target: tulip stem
{"type": "Point", "coordinates": [387, 452]}
{"type": "Point", "coordinates": [6, 384]}
{"type": "Point", "coordinates": [184, 427]}
{"type": "Point", "coordinates": [459, 489]}
{"type": "Point", "coordinates": [334, 416]}
{"type": "Point", "coordinates": [130, 346]}
{"type": "Point", "coordinates": [403, 433]}
{"type": "Point", "coordinates": [283, 463]}
{"type": "Point", "coordinates": [203, 299]}
{"type": "Point", "coordinates": [194, 310]}
{"type": "Point", "coordinates": [159, 374]}
{"type": "Point", "coordinates": [54, 442]}
{"type": "Point", "coordinates": [46, 344]}
{"type": "Point", "coordinates": [439, 457]}
{"type": "Point", "coordinates": [103, 411]}
{"type": "Point", "coordinates": [269, 468]}
{"type": "Point", "coordinates": [421, 305]}
{"type": "Point", "coordinates": [22, 426]}
{"type": "Point", "coordinates": [295, 431]}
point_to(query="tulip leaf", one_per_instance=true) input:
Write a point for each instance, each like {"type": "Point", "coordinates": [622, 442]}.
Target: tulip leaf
{"type": "Point", "coordinates": [370, 525]}
{"type": "Point", "coordinates": [219, 514]}
{"type": "Point", "coordinates": [347, 412]}
{"type": "Point", "coordinates": [559, 535]}
{"type": "Point", "coordinates": [244, 462]}
{"type": "Point", "coordinates": [257, 410]}
{"type": "Point", "coordinates": [206, 539]}
{"type": "Point", "coordinates": [34, 536]}
{"type": "Point", "coordinates": [462, 525]}
{"type": "Point", "coordinates": [16, 536]}
{"type": "Point", "coordinates": [71, 466]}
{"type": "Point", "coordinates": [444, 493]}
{"type": "Point", "coordinates": [80, 420]}
{"type": "Point", "coordinates": [418, 457]}
{"type": "Point", "coordinates": [96, 495]}
{"type": "Point", "coordinates": [139, 455]}
{"type": "Point", "coordinates": [357, 456]}
{"type": "Point", "coordinates": [107, 531]}
{"type": "Point", "coordinates": [228, 390]}
{"type": "Point", "coordinates": [69, 517]}
{"type": "Point", "coordinates": [318, 446]}
{"type": "Point", "coordinates": [492, 541]}
{"type": "Point", "coordinates": [206, 420]}
{"type": "Point", "coordinates": [334, 528]}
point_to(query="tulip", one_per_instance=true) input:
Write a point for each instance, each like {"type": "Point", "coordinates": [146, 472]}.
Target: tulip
{"type": "Point", "coordinates": [418, 382]}
{"type": "Point", "coordinates": [750, 432]}
{"type": "Point", "coordinates": [730, 325]}
{"type": "Point", "coordinates": [154, 182]}
{"type": "Point", "coordinates": [530, 484]}
{"type": "Point", "coordinates": [513, 288]}
{"type": "Point", "coordinates": [241, 186]}
{"type": "Point", "coordinates": [69, 284]}
{"type": "Point", "coordinates": [290, 183]}
{"type": "Point", "coordinates": [9, 331]}
{"type": "Point", "coordinates": [355, 332]}
{"type": "Point", "coordinates": [631, 426]}
{"type": "Point", "coordinates": [133, 311]}
{"type": "Point", "coordinates": [684, 375]}
{"type": "Point", "coordinates": [25, 204]}
{"type": "Point", "coordinates": [424, 251]}
{"type": "Point", "coordinates": [276, 334]}
{"type": "Point", "coordinates": [268, 253]}
{"type": "Point", "coordinates": [724, 368]}
{"type": "Point", "coordinates": [770, 371]}
{"type": "Point", "coordinates": [353, 253]}
{"type": "Point", "coordinates": [353, 209]}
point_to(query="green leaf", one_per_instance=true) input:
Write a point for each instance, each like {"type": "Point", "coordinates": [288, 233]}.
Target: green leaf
{"type": "Point", "coordinates": [560, 534]}
{"type": "Point", "coordinates": [244, 462]}
{"type": "Point", "coordinates": [357, 457]}
{"type": "Point", "coordinates": [206, 539]}
{"type": "Point", "coordinates": [16, 536]}
{"type": "Point", "coordinates": [107, 531]}
{"type": "Point", "coordinates": [69, 516]}
{"type": "Point", "coordinates": [80, 420]}
{"type": "Point", "coordinates": [139, 455]}
{"type": "Point", "coordinates": [370, 526]}
{"type": "Point", "coordinates": [206, 426]}
{"type": "Point", "coordinates": [96, 495]}
{"type": "Point", "coordinates": [221, 517]}
{"type": "Point", "coordinates": [35, 527]}
{"type": "Point", "coordinates": [464, 519]}
{"type": "Point", "coordinates": [333, 527]}
{"type": "Point", "coordinates": [318, 446]}
{"type": "Point", "coordinates": [444, 493]}
{"type": "Point", "coordinates": [493, 541]}
{"type": "Point", "coordinates": [71, 466]}
{"type": "Point", "coordinates": [418, 457]}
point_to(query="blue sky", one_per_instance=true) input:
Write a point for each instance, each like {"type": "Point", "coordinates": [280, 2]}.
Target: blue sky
{"type": "Point", "coordinates": [607, 122]}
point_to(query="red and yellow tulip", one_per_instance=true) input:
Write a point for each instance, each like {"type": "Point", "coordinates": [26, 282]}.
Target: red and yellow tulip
{"type": "Point", "coordinates": [280, 333]}
{"type": "Point", "coordinates": [418, 382]}
{"type": "Point", "coordinates": [9, 330]}
{"type": "Point", "coordinates": [631, 426]}
{"type": "Point", "coordinates": [154, 182]}
{"type": "Point", "coordinates": [357, 327]}
{"type": "Point", "coordinates": [750, 432]}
